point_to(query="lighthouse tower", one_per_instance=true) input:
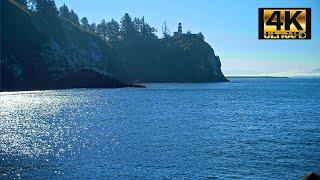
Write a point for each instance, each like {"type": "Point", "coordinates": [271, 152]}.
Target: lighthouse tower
{"type": "Point", "coordinates": [179, 33]}
{"type": "Point", "coordinates": [180, 29]}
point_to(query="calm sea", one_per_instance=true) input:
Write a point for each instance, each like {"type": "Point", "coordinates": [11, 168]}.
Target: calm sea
{"type": "Point", "coordinates": [247, 129]}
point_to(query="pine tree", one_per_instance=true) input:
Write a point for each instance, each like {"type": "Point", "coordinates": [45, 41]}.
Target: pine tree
{"type": "Point", "coordinates": [64, 11]}
{"type": "Point", "coordinates": [85, 23]}
{"type": "Point", "coordinates": [74, 17]}
{"type": "Point", "coordinates": [93, 27]}
{"type": "Point", "coordinates": [201, 35]}
{"type": "Point", "coordinates": [46, 9]}
{"type": "Point", "coordinates": [113, 31]}
{"type": "Point", "coordinates": [137, 24]}
{"type": "Point", "coordinates": [127, 29]}
{"type": "Point", "coordinates": [165, 30]}
{"type": "Point", "coordinates": [101, 30]}
{"type": "Point", "coordinates": [148, 32]}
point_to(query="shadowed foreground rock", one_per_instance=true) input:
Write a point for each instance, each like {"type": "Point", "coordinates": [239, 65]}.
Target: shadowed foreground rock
{"type": "Point", "coordinates": [83, 78]}
{"type": "Point", "coordinates": [311, 176]}
{"type": "Point", "coordinates": [88, 78]}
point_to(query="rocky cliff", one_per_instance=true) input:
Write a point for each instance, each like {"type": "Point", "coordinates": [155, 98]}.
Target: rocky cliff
{"type": "Point", "coordinates": [37, 52]}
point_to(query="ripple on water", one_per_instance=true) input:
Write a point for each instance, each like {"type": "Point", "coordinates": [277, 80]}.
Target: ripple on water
{"type": "Point", "coordinates": [243, 129]}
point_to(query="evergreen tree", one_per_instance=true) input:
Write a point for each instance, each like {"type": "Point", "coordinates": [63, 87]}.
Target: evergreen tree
{"type": "Point", "coordinates": [101, 30]}
{"type": "Point", "coordinates": [64, 11]}
{"type": "Point", "coordinates": [201, 35]}
{"type": "Point", "coordinates": [137, 24]}
{"type": "Point", "coordinates": [85, 23]}
{"type": "Point", "coordinates": [93, 27]}
{"type": "Point", "coordinates": [165, 30]}
{"type": "Point", "coordinates": [127, 30]}
{"type": "Point", "coordinates": [46, 9]}
{"type": "Point", "coordinates": [142, 22]}
{"type": "Point", "coordinates": [113, 31]}
{"type": "Point", "coordinates": [148, 32]}
{"type": "Point", "coordinates": [74, 17]}
{"type": "Point", "coordinates": [27, 3]}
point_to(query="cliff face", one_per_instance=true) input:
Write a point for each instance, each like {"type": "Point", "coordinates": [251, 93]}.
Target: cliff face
{"type": "Point", "coordinates": [180, 58]}
{"type": "Point", "coordinates": [194, 59]}
{"type": "Point", "coordinates": [36, 53]}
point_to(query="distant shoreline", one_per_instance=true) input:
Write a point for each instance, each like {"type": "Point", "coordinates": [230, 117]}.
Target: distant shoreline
{"type": "Point", "coordinates": [276, 77]}
{"type": "Point", "coordinates": [257, 77]}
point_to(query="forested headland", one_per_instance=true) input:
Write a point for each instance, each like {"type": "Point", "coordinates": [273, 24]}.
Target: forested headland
{"type": "Point", "coordinates": [41, 45]}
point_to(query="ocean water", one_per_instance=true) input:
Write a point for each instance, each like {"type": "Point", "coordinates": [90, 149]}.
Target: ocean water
{"type": "Point", "coordinates": [245, 129]}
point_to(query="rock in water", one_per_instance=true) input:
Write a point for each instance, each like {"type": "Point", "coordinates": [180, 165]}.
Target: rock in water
{"type": "Point", "coordinates": [311, 176]}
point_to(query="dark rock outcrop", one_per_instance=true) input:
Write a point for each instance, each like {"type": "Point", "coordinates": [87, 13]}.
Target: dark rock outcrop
{"type": "Point", "coordinates": [83, 78]}
{"type": "Point", "coordinates": [311, 176]}
{"type": "Point", "coordinates": [88, 78]}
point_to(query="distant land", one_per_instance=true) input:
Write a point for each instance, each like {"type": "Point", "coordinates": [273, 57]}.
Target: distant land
{"type": "Point", "coordinates": [257, 77]}
{"type": "Point", "coordinates": [310, 76]}
{"type": "Point", "coordinates": [316, 71]}
{"type": "Point", "coordinates": [279, 77]}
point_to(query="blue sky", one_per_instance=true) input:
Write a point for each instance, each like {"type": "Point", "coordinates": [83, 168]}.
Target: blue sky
{"type": "Point", "coordinates": [229, 26]}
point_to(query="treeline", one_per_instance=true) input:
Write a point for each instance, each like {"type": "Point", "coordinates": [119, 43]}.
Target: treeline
{"type": "Point", "coordinates": [111, 31]}
{"type": "Point", "coordinates": [129, 50]}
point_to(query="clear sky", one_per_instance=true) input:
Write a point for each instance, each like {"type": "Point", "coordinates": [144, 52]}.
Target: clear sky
{"type": "Point", "coordinates": [229, 26]}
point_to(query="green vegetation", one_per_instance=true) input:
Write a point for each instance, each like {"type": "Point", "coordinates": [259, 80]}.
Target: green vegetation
{"type": "Point", "coordinates": [44, 44]}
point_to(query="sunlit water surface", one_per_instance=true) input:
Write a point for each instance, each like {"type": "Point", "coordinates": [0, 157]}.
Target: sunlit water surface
{"type": "Point", "coordinates": [249, 128]}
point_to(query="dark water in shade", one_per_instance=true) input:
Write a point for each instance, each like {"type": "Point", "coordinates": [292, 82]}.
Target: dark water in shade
{"type": "Point", "coordinates": [249, 128]}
